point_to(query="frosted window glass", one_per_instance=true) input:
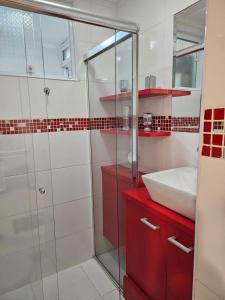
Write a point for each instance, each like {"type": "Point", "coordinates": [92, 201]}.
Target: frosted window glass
{"type": "Point", "coordinates": [34, 45]}
{"type": "Point", "coordinates": [12, 48]}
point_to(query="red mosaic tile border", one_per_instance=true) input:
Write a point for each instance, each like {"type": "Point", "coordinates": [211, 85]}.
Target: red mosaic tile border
{"type": "Point", "coordinates": [160, 123]}
{"type": "Point", "coordinates": [214, 133]}
{"type": "Point", "coordinates": [168, 123]}
{"type": "Point", "coordinates": [54, 125]}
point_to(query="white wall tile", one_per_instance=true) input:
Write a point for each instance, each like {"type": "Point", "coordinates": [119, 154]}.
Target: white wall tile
{"type": "Point", "coordinates": [37, 98]}
{"type": "Point", "coordinates": [74, 249]}
{"type": "Point", "coordinates": [17, 233]}
{"type": "Point", "coordinates": [180, 149]}
{"type": "Point", "coordinates": [41, 151]}
{"type": "Point", "coordinates": [13, 155]}
{"type": "Point", "coordinates": [69, 148]}
{"type": "Point", "coordinates": [72, 217]}
{"type": "Point", "coordinates": [15, 196]}
{"type": "Point", "coordinates": [48, 258]}
{"type": "Point", "coordinates": [43, 180]}
{"type": "Point", "coordinates": [10, 100]}
{"type": "Point", "coordinates": [97, 107]}
{"type": "Point", "coordinates": [71, 183]}
{"type": "Point", "coordinates": [158, 106]}
{"type": "Point", "coordinates": [67, 99]}
{"type": "Point", "coordinates": [146, 14]}
{"type": "Point", "coordinates": [103, 147]}
{"type": "Point", "coordinates": [203, 293]}
{"type": "Point", "coordinates": [22, 267]}
{"type": "Point", "coordinates": [187, 106]}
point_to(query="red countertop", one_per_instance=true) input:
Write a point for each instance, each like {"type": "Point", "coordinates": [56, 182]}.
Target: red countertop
{"type": "Point", "coordinates": [142, 197]}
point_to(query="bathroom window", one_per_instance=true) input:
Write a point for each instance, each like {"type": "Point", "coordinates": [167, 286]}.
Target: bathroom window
{"type": "Point", "coordinates": [41, 46]}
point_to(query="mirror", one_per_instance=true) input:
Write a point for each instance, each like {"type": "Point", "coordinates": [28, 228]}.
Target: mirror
{"type": "Point", "coordinates": [188, 57]}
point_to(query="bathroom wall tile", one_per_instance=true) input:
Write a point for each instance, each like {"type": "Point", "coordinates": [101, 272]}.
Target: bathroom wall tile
{"type": "Point", "coordinates": [46, 224]}
{"type": "Point", "coordinates": [82, 48]}
{"type": "Point", "coordinates": [206, 151]}
{"type": "Point", "coordinates": [41, 151]}
{"type": "Point", "coordinates": [98, 108]}
{"type": "Point", "coordinates": [174, 6]}
{"type": "Point", "coordinates": [102, 244]}
{"type": "Point", "coordinates": [10, 101]}
{"type": "Point", "coordinates": [17, 233]}
{"type": "Point", "coordinates": [74, 249]}
{"type": "Point", "coordinates": [13, 155]}
{"type": "Point", "coordinates": [48, 257]}
{"type": "Point", "coordinates": [208, 114]}
{"type": "Point", "coordinates": [210, 262]}
{"type": "Point", "coordinates": [67, 99]}
{"type": "Point", "coordinates": [15, 196]}
{"type": "Point", "coordinates": [148, 14]}
{"type": "Point", "coordinates": [203, 293]}
{"type": "Point", "coordinates": [69, 148]}
{"type": "Point", "coordinates": [217, 139]}
{"type": "Point", "coordinates": [187, 106]}
{"type": "Point", "coordinates": [181, 149]}
{"type": "Point", "coordinates": [71, 183]}
{"type": "Point", "coordinates": [43, 180]}
{"type": "Point", "coordinates": [216, 152]}
{"type": "Point", "coordinates": [22, 267]}
{"type": "Point", "coordinates": [72, 217]}
{"type": "Point", "coordinates": [37, 98]}
{"type": "Point", "coordinates": [103, 147]}
{"type": "Point", "coordinates": [160, 106]}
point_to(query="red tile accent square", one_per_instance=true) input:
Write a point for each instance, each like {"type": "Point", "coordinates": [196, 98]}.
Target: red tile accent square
{"type": "Point", "coordinates": [217, 139]}
{"type": "Point", "coordinates": [216, 152]}
{"type": "Point", "coordinates": [206, 151]}
{"type": "Point", "coordinates": [219, 114]}
{"type": "Point", "coordinates": [208, 114]}
{"type": "Point", "coordinates": [207, 139]}
{"type": "Point", "coordinates": [207, 126]}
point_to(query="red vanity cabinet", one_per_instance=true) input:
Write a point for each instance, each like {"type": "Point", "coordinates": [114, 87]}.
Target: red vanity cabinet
{"type": "Point", "coordinates": [179, 264]}
{"type": "Point", "coordinates": [145, 254]}
{"type": "Point", "coordinates": [155, 265]}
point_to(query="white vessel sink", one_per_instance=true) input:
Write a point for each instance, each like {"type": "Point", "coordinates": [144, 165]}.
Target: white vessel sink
{"type": "Point", "coordinates": [175, 189]}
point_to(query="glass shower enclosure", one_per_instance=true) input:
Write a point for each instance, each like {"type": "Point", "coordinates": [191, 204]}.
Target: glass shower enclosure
{"type": "Point", "coordinates": [111, 89]}
{"type": "Point", "coordinates": [31, 84]}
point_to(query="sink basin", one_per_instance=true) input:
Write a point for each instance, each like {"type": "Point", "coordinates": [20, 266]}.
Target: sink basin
{"type": "Point", "coordinates": [175, 189]}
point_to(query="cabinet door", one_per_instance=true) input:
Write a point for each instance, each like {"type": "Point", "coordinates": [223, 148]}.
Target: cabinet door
{"type": "Point", "coordinates": [131, 291]}
{"type": "Point", "coordinates": [145, 253]}
{"type": "Point", "coordinates": [179, 263]}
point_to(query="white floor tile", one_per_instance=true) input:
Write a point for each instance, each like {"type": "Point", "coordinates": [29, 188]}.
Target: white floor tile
{"type": "Point", "coordinates": [115, 295]}
{"type": "Point", "coordinates": [86, 281]}
{"type": "Point", "coordinates": [98, 277]}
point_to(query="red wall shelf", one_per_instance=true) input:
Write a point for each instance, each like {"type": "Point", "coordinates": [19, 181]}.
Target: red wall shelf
{"type": "Point", "coordinates": [146, 93]}
{"type": "Point", "coordinates": [141, 132]}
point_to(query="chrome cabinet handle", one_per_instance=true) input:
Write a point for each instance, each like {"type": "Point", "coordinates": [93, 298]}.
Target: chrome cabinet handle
{"type": "Point", "coordinates": [42, 191]}
{"type": "Point", "coordinates": [173, 241]}
{"type": "Point", "coordinates": [150, 225]}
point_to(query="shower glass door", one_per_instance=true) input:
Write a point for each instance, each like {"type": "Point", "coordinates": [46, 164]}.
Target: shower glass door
{"type": "Point", "coordinates": [27, 240]}
{"type": "Point", "coordinates": [110, 90]}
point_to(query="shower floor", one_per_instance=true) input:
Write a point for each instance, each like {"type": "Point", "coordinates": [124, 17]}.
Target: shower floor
{"type": "Point", "coordinates": [86, 281]}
